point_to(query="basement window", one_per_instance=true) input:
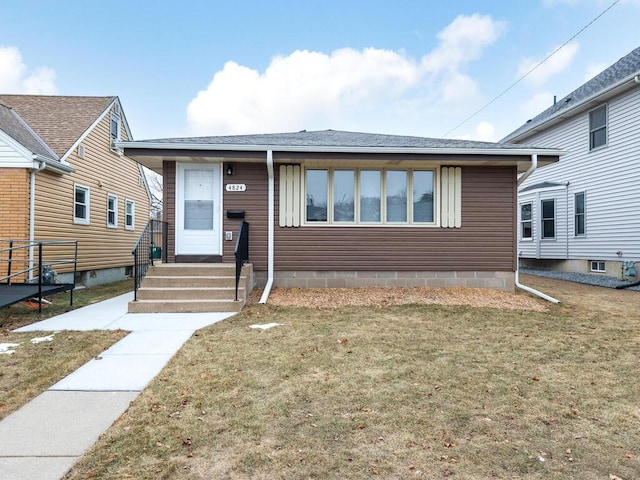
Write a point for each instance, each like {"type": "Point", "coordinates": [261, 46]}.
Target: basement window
{"type": "Point", "coordinates": [597, 266]}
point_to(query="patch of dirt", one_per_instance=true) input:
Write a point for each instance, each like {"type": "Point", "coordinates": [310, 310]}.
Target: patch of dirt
{"type": "Point", "coordinates": [327, 298]}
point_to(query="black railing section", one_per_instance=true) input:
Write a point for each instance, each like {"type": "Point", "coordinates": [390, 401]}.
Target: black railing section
{"type": "Point", "coordinates": [22, 267]}
{"type": "Point", "coordinates": [151, 246]}
{"type": "Point", "coordinates": [241, 251]}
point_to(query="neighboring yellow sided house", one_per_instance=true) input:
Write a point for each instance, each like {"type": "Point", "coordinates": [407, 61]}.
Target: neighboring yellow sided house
{"type": "Point", "coordinates": [62, 178]}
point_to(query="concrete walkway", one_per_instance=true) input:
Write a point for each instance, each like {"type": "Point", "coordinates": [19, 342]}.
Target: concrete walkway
{"type": "Point", "coordinates": [43, 439]}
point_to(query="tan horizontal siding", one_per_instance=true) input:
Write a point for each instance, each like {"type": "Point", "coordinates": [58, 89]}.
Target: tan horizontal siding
{"type": "Point", "coordinates": [104, 173]}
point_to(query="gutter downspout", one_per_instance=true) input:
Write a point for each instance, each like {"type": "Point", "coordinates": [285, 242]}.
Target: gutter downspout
{"type": "Point", "coordinates": [531, 169]}
{"type": "Point", "coordinates": [32, 213]}
{"type": "Point", "coordinates": [267, 288]}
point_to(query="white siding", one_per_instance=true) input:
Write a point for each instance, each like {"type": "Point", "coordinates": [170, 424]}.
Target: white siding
{"type": "Point", "coordinates": [609, 176]}
{"type": "Point", "coordinates": [547, 248]}
{"type": "Point", "coordinates": [10, 157]}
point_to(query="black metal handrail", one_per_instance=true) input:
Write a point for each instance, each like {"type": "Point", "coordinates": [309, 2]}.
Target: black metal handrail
{"type": "Point", "coordinates": [151, 245]}
{"type": "Point", "coordinates": [241, 252]}
{"type": "Point", "coordinates": [44, 267]}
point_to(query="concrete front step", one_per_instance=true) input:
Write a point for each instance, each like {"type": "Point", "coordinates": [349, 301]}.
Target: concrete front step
{"type": "Point", "coordinates": [193, 269]}
{"type": "Point", "coordinates": [191, 293]}
{"type": "Point", "coordinates": [184, 306]}
{"type": "Point", "coordinates": [186, 281]}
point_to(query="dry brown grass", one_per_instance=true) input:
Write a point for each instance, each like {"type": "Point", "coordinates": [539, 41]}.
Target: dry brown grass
{"type": "Point", "coordinates": [409, 391]}
{"type": "Point", "coordinates": [35, 367]}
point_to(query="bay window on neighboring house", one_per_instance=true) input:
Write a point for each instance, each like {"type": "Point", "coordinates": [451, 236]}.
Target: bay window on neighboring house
{"type": "Point", "coordinates": [526, 225]}
{"type": "Point", "coordinates": [370, 196]}
{"type": "Point", "coordinates": [548, 208]}
{"type": "Point", "coordinates": [112, 211]}
{"type": "Point", "coordinates": [81, 204]}
{"type": "Point", "coordinates": [579, 216]}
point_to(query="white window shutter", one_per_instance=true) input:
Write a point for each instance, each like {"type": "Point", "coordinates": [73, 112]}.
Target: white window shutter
{"type": "Point", "coordinates": [451, 197]}
{"type": "Point", "coordinates": [290, 185]}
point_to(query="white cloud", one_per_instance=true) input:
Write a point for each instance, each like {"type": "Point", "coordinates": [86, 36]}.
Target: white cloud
{"type": "Point", "coordinates": [344, 89]}
{"type": "Point", "coordinates": [15, 76]}
{"type": "Point", "coordinates": [594, 69]}
{"type": "Point", "coordinates": [536, 104]}
{"type": "Point", "coordinates": [559, 62]}
{"type": "Point", "coordinates": [484, 131]}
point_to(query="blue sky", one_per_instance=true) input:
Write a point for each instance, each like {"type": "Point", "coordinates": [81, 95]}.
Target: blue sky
{"type": "Point", "coordinates": [403, 67]}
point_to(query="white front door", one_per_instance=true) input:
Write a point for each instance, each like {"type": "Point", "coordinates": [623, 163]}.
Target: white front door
{"type": "Point", "coordinates": [198, 209]}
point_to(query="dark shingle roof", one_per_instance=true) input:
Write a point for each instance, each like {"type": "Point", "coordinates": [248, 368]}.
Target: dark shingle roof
{"type": "Point", "coordinates": [336, 138]}
{"type": "Point", "coordinates": [58, 120]}
{"type": "Point", "coordinates": [626, 67]}
{"type": "Point", "coordinates": [16, 128]}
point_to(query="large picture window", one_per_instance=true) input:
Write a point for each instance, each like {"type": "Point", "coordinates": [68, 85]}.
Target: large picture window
{"type": "Point", "coordinates": [368, 196]}
{"type": "Point", "coordinates": [548, 218]}
{"type": "Point", "coordinates": [598, 127]}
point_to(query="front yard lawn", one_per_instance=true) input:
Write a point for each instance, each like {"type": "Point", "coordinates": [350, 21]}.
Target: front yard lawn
{"type": "Point", "coordinates": [414, 391]}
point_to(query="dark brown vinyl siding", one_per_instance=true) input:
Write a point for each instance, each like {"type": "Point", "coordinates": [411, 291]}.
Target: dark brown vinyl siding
{"type": "Point", "coordinates": [486, 241]}
{"type": "Point", "coordinates": [169, 206]}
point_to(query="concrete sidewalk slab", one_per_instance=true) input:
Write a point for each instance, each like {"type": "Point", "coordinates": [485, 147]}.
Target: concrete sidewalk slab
{"type": "Point", "coordinates": [35, 468]}
{"type": "Point", "coordinates": [114, 373]}
{"type": "Point", "coordinates": [150, 342]}
{"type": "Point", "coordinates": [61, 424]}
{"type": "Point", "coordinates": [167, 321]}
{"type": "Point", "coordinates": [92, 317]}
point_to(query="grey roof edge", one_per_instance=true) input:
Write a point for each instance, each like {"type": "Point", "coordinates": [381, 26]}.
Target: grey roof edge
{"type": "Point", "coordinates": [611, 81]}
{"type": "Point", "coordinates": [30, 140]}
{"type": "Point", "coordinates": [332, 141]}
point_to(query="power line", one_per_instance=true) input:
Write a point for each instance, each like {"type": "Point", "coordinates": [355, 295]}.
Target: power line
{"type": "Point", "coordinates": [531, 70]}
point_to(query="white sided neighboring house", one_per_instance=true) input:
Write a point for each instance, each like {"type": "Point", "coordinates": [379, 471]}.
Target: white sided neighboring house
{"type": "Point", "coordinates": [582, 214]}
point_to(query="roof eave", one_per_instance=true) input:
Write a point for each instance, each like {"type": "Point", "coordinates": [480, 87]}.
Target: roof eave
{"type": "Point", "coordinates": [626, 84]}
{"type": "Point", "coordinates": [55, 165]}
{"type": "Point", "coordinates": [339, 149]}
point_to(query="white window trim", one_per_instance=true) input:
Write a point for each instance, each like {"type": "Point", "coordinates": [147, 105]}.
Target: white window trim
{"type": "Point", "coordinates": [526, 239]}
{"type": "Point", "coordinates": [383, 207]}
{"type": "Point", "coordinates": [606, 127]}
{"type": "Point", "coordinates": [133, 214]}
{"type": "Point", "coordinates": [118, 137]}
{"type": "Point", "coordinates": [79, 220]}
{"type": "Point", "coordinates": [584, 214]}
{"type": "Point", "coordinates": [597, 269]}
{"type": "Point", "coordinates": [115, 210]}
{"type": "Point", "coordinates": [542, 219]}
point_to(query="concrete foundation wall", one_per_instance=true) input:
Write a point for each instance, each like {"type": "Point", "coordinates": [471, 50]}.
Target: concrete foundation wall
{"type": "Point", "coordinates": [350, 279]}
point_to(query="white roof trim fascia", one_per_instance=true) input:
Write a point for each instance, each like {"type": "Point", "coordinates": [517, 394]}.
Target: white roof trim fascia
{"type": "Point", "coordinates": [144, 179]}
{"type": "Point", "coordinates": [55, 165]}
{"type": "Point", "coordinates": [568, 112]}
{"type": "Point", "coordinates": [87, 131]}
{"type": "Point", "coordinates": [123, 117]}
{"type": "Point", "coordinates": [336, 149]}
{"type": "Point", "coordinates": [42, 143]}
{"type": "Point", "coordinates": [17, 147]}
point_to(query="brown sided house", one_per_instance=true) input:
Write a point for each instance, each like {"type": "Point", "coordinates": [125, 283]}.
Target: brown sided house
{"type": "Point", "coordinates": [62, 178]}
{"type": "Point", "coordinates": [342, 209]}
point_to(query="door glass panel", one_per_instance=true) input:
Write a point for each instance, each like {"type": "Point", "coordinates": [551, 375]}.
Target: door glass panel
{"type": "Point", "coordinates": [198, 200]}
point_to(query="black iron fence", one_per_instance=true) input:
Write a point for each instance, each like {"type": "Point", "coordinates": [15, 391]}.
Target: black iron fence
{"type": "Point", "coordinates": [151, 246]}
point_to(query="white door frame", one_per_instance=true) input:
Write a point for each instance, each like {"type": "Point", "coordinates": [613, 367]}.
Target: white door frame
{"type": "Point", "coordinates": [198, 242]}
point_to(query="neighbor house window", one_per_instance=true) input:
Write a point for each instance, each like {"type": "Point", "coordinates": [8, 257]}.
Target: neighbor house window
{"type": "Point", "coordinates": [526, 226]}
{"type": "Point", "coordinates": [548, 218]}
{"type": "Point", "coordinates": [597, 266]}
{"type": "Point", "coordinates": [129, 215]}
{"type": "Point", "coordinates": [115, 128]}
{"type": "Point", "coordinates": [81, 205]}
{"type": "Point", "coordinates": [579, 215]}
{"type": "Point", "coordinates": [370, 196]}
{"type": "Point", "coordinates": [112, 211]}
{"type": "Point", "coordinates": [598, 127]}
